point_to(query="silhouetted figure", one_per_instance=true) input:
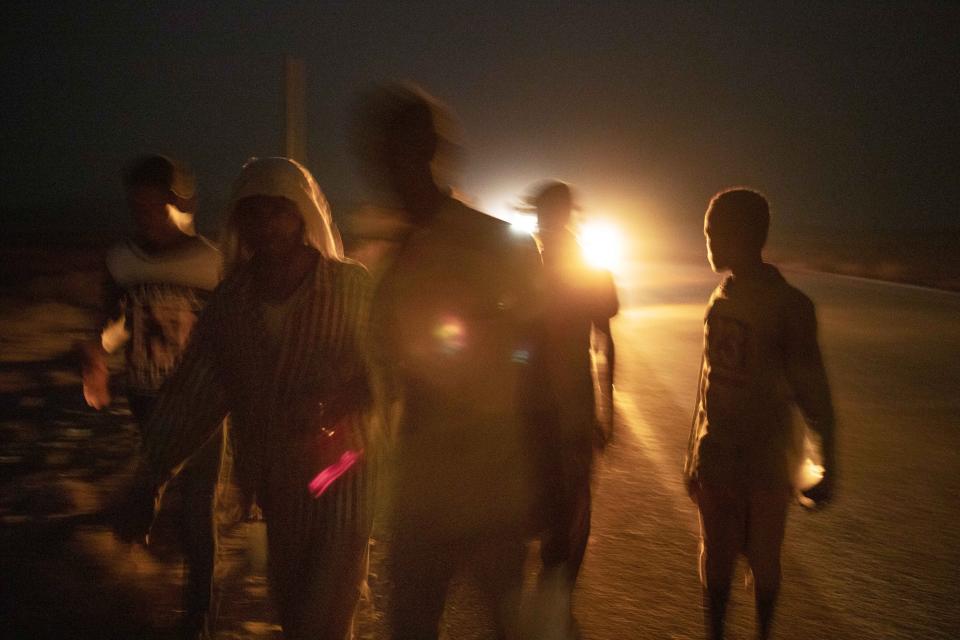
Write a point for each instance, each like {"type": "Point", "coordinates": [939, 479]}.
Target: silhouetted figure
{"type": "Point", "coordinates": [157, 282]}
{"type": "Point", "coordinates": [280, 348]}
{"type": "Point", "coordinates": [579, 302]}
{"type": "Point", "coordinates": [760, 356]}
{"type": "Point", "coordinates": [452, 317]}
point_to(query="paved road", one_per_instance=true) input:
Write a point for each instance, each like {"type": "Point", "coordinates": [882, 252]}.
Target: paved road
{"type": "Point", "coordinates": [880, 563]}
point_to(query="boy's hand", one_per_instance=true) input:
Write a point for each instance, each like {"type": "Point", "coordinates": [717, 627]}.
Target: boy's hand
{"type": "Point", "coordinates": [693, 487]}
{"type": "Point", "coordinates": [602, 434]}
{"type": "Point", "coordinates": [96, 376]}
{"type": "Point", "coordinates": [820, 494]}
{"type": "Point", "coordinates": [96, 389]}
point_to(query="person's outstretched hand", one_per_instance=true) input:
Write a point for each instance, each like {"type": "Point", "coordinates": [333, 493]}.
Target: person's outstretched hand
{"type": "Point", "coordinates": [602, 434]}
{"type": "Point", "coordinates": [819, 495]}
{"type": "Point", "coordinates": [692, 485]}
{"type": "Point", "coordinates": [96, 376]}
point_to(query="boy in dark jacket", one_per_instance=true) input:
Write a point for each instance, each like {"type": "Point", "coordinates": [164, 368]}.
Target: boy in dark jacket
{"type": "Point", "coordinates": [760, 356]}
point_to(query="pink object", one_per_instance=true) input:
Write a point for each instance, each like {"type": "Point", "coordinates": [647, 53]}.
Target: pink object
{"type": "Point", "coordinates": [328, 476]}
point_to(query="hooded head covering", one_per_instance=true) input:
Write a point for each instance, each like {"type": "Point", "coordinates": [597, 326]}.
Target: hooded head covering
{"type": "Point", "coordinates": [285, 178]}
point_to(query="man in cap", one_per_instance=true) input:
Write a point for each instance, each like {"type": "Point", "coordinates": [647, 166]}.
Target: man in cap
{"type": "Point", "coordinates": [580, 300]}
{"type": "Point", "coordinates": [157, 281]}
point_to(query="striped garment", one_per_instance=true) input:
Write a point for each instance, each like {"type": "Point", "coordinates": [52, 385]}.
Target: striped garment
{"type": "Point", "coordinates": [270, 368]}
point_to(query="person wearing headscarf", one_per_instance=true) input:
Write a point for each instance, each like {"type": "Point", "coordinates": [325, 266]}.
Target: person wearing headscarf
{"type": "Point", "coordinates": [280, 348]}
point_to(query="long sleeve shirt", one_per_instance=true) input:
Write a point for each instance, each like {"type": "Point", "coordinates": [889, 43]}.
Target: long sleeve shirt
{"type": "Point", "coordinates": [577, 297]}
{"type": "Point", "coordinates": [453, 320]}
{"type": "Point", "coordinates": [269, 368]}
{"type": "Point", "coordinates": [760, 357]}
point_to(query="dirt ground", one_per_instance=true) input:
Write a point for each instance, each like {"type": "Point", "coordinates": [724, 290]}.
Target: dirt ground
{"type": "Point", "coordinates": [60, 462]}
{"type": "Point", "coordinates": [64, 574]}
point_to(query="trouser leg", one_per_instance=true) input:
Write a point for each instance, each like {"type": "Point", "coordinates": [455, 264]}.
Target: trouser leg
{"type": "Point", "coordinates": [565, 539]}
{"type": "Point", "coordinates": [498, 567]}
{"type": "Point", "coordinates": [237, 538]}
{"type": "Point", "coordinates": [580, 527]}
{"type": "Point", "coordinates": [318, 601]}
{"type": "Point", "coordinates": [722, 537]}
{"type": "Point", "coordinates": [766, 526]}
{"type": "Point", "coordinates": [196, 484]}
{"type": "Point", "coordinates": [317, 558]}
{"type": "Point", "coordinates": [198, 481]}
{"type": "Point", "coordinates": [564, 542]}
{"type": "Point", "coordinates": [420, 572]}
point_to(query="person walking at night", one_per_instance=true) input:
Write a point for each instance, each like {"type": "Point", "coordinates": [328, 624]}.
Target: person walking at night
{"type": "Point", "coordinates": [280, 348]}
{"type": "Point", "coordinates": [760, 355]}
{"type": "Point", "coordinates": [452, 318]}
{"type": "Point", "coordinates": [579, 302]}
{"type": "Point", "coordinates": [157, 282]}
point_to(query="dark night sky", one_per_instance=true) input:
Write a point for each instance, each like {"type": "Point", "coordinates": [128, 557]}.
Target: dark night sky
{"type": "Point", "coordinates": [846, 115]}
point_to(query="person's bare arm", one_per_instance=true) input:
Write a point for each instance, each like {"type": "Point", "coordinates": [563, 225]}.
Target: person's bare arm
{"type": "Point", "coordinates": [808, 379]}
{"type": "Point", "coordinates": [91, 354]}
{"type": "Point", "coordinates": [606, 305]}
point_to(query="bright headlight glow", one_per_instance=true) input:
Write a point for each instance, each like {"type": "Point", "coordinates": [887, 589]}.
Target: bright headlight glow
{"type": "Point", "coordinates": [602, 244]}
{"type": "Point", "coordinates": [523, 222]}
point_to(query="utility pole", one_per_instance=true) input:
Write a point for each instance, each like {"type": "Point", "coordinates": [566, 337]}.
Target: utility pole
{"type": "Point", "coordinates": [295, 109]}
